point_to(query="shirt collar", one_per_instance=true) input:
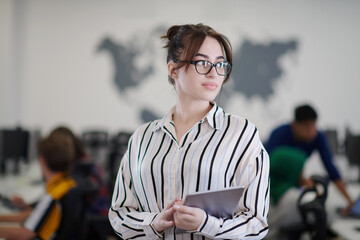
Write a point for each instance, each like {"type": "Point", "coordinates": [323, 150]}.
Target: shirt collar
{"type": "Point", "coordinates": [55, 180]}
{"type": "Point", "coordinates": [215, 118]}
{"type": "Point", "coordinates": [59, 184]}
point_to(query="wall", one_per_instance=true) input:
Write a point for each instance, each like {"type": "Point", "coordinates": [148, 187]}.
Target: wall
{"type": "Point", "coordinates": [7, 102]}
{"type": "Point", "coordinates": [52, 72]}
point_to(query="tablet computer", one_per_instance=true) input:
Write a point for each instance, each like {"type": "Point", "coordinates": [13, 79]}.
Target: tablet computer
{"type": "Point", "coordinates": [218, 203]}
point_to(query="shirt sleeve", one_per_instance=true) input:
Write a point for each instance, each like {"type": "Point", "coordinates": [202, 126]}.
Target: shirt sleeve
{"type": "Point", "coordinates": [250, 219]}
{"type": "Point", "coordinates": [39, 222]}
{"type": "Point", "coordinates": [126, 216]}
{"type": "Point", "coordinates": [326, 156]}
{"type": "Point", "coordinates": [274, 140]}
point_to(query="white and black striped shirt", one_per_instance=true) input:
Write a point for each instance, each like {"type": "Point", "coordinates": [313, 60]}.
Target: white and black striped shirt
{"type": "Point", "coordinates": [220, 151]}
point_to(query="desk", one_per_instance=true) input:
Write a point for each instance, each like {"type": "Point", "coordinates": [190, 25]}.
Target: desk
{"type": "Point", "coordinates": [28, 185]}
{"type": "Point", "coordinates": [345, 227]}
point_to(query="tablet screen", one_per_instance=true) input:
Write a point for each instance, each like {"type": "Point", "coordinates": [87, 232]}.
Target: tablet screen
{"type": "Point", "coordinates": [218, 203]}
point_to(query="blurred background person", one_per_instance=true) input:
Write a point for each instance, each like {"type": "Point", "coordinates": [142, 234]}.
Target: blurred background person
{"type": "Point", "coordinates": [84, 165]}
{"type": "Point", "coordinates": [289, 146]}
{"type": "Point", "coordinates": [55, 155]}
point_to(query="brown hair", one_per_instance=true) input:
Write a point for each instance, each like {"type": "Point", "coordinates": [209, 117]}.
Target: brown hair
{"type": "Point", "coordinates": [184, 41]}
{"type": "Point", "coordinates": [78, 145]}
{"type": "Point", "coordinates": [58, 152]}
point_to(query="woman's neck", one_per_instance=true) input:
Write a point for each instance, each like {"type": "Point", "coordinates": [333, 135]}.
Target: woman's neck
{"type": "Point", "coordinates": [186, 115]}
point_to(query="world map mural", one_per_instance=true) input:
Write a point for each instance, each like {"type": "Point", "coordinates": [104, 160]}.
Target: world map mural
{"type": "Point", "coordinates": [256, 66]}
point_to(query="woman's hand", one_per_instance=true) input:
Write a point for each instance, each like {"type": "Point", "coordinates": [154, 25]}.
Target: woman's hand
{"type": "Point", "coordinates": [188, 218]}
{"type": "Point", "coordinates": [165, 218]}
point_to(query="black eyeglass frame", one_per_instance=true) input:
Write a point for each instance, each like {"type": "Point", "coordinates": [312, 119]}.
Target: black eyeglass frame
{"type": "Point", "coordinates": [212, 65]}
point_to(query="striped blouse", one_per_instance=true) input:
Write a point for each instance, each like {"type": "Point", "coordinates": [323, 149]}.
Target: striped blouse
{"type": "Point", "coordinates": [220, 151]}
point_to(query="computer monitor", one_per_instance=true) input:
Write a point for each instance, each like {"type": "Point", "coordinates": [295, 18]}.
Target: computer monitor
{"type": "Point", "coordinates": [14, 145]}
{"type": "Point", "coordinates": [352, 150]}
{"type": "Point", "coordinates": [332, 138]}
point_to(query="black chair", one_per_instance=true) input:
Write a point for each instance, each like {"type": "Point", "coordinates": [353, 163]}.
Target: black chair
{"type": "Point", "coordinates": [352, 149]}
{"type": "Point", "coordinates": [118, 147]}
{"type": "Point", "coordinates": [96, 143]}
{"type": "Point", "coordinates": [14, 145]}
{"type": "Point", "coordinates": [99, 227]}
{"type": "Point", "coordinates": [95, 226]}
{"type": "Point", "coordinates": [75, 205]}
{"type": "Point", "coordinates": [95, 139]}
{"type": "Point", "coordinates": [313, 213]}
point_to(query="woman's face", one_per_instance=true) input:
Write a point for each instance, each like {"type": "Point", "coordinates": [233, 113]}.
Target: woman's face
{"type": "Point", "coordinates": [191, 85]}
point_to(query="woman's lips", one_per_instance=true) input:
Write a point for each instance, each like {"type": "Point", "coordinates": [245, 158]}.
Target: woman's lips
{"type": "Point", "coordinates": [210, 85]}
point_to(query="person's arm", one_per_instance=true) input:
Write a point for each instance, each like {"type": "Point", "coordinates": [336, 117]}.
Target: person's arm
{"type": "Point", "coordinates": [326, 156]}
{"type": "Point", "coordinates": [18, 217]}
{"type": "Point", "coordinates": [333, 172]}
{"type": "Point", "coordinates": [128, 218]}
{"type": "Point", "coordinates": [341, 186]}
{"type": "Point", "coordinates": [16, 233]}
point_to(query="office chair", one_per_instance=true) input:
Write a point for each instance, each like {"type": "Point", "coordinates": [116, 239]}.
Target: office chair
{"type": "Point", "coordinates": [96, 143]}
{"type": "Point", "coordinates": [14, 145]}
{"type": "Point", "coordinates": [76, 204]}
{"type": "Point", "coordinates": [96, 225]}
{"type": "Point", "coordinates": [74, 207]}
{"type": "Point", "coordinates": [118, 147]}
{"type": "Point", "coordinates": [95, 139]}
{"type": "Point", "coordinates": [313, 212]}
{"type": "Point", "coordinates": [352, 149]}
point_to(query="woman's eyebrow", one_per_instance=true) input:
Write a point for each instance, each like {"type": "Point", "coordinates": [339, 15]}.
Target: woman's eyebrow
{"type": "Point", "coordinates": [201, 55]}
{"type": "Point", "coordinates": [206, 56]}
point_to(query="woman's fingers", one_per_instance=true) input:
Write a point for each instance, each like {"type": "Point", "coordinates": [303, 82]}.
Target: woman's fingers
{"type": "Point", "coordinates": [171, 203]}
{"type": "Point", "coordinates": [168, 224]}
{"type": "Point", "coordinates": [169, 212]}
{"type": "Point", "coordinates": [188, 218]}
{"type": "Point", "coordinates": [165, 218]}
{"type": "Point", "coordinates": [184, 209]}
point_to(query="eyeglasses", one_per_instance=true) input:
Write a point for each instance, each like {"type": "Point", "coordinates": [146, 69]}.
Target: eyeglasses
{"type": "Point", "coordinates": [203, 67]}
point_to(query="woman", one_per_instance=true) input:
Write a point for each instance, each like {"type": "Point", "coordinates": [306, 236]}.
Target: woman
{"type": "Point", "coordinates": [195, 147]}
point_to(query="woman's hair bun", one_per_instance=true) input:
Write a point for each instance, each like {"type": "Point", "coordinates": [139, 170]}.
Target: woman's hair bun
{"type": "Point", "coordinates": [171, 33]}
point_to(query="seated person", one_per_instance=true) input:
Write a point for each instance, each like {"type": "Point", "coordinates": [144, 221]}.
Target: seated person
{"type": "Point", "coordinates": [56, 154]}
{"type": "Point", "coordinates": [293, 143]}
{"type": "Point", "coordinates": [99, 203]}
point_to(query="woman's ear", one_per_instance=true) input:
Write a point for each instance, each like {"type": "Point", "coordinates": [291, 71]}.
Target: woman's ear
{"type": "Point", "coordinates": [172, 71]}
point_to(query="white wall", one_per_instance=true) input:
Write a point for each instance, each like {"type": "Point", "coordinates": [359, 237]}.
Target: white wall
{"type": "Point", "coordinates": [7, 88]}
{"type": "Point", "coordinates": [51, 73]}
